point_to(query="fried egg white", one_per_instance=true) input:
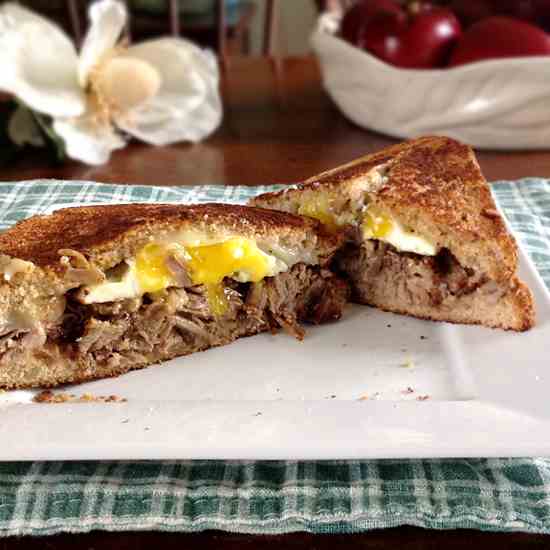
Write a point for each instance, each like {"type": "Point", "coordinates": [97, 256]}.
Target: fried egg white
{"type": "Point", "coordinates": [384, 228]}
{"type": "Point", "coordinates": [374, 225]}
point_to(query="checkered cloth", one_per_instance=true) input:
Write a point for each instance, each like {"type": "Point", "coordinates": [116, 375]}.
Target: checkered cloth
{"type": "Point", "coordinates": [274, 497]}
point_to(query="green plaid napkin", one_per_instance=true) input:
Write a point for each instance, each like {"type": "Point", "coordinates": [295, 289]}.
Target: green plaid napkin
{"type": "Point", "coordinates": [274, 497]}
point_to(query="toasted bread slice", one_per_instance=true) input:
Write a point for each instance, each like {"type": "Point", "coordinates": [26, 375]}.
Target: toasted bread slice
{"type": "Point", "coordinates": [108, 234]}
{"type": "Point", "coordinates": [97, 291]}
{"type": "Point", "coordinates": [431, 188]}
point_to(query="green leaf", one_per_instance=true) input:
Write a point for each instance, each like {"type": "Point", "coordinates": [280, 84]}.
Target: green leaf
{"type": "Point", "coordinates": [53, 141]}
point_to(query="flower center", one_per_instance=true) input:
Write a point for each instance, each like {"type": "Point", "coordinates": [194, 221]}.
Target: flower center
{"type": "Point", "coordinates": [120, 84]}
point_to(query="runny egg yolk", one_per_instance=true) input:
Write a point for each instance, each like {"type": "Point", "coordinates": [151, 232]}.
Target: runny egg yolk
{"type": "Point", "coordinates": [207, 265]}
{"type": "Point", "coordinates": [376, 225]}
{"type": "Point", "coordinates": [318, 208]}
{"type": "Point", "coordinates": [151, 269]}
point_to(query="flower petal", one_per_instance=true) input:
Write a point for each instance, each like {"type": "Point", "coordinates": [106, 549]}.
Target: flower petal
{"type": "Point", "coordinates": [23, 129]}
{"type": "Point", "coordinates": [86, 140]}
{"type": "Point", "coordinates": [178, 62]}
{"type": "Point", "coordinates": [39, 63]}
{"type": "Point", "coordinates": [188, 105]}
{"type": "Point", "coordinates": [112, 83]}
{"type": "Point", "coordinates": [107, 19]}
{"type": "Point", "coordinates": [14, 15]}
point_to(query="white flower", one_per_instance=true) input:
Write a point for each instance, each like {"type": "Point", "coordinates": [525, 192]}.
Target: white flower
{"type": "Point", "coordinates": [161, 91]}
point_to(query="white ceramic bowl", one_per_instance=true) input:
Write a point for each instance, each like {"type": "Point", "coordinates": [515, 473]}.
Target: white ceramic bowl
{"type": "Point", "coordinates": [494, 104]}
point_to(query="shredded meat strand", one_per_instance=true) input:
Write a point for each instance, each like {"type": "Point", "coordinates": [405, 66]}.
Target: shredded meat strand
{"type": "Point", "coordinates": [376, 267]}
{"type": "Point", "coordinates": [180, 320]}
{"type": "Point", "coordinates": [82, 271]}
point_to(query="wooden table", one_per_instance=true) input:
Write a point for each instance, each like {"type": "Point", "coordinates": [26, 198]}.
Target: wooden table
{"type": "Point", "coordinates": [278, 127]}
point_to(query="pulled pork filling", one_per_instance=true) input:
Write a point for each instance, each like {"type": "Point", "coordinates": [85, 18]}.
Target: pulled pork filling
{"type": "Point", "coordinates": [376, 268]}
{"type": "Point", "coordinates": [178, 321]}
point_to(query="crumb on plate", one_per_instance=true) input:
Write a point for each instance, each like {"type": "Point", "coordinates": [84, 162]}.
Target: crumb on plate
{"type": "Point", "coordinates": [48, 396]}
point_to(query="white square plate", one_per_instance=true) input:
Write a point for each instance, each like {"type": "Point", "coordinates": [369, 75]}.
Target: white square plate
{"type": "Point", "coordinates": [374, 385]}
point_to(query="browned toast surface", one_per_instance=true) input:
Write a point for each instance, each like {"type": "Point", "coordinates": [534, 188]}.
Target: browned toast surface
{"type": "Point", "coordinates": [441, 179]}
{"type": "Point", "coordinates": [49, 336]}
{"type": "Point", "coordinates": [93, 230]}
{"type": "Point", "coordinates": [356, 168]}
{"type": "Point", "coordinates": [433, 184]}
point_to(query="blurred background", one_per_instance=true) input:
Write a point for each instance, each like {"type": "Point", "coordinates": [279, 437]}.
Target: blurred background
{"type": "Point", "coordinates": [289, 22]}
{"type": "Point", "coordinates": [198, 20]}
{"type": "Point", "coordinates": [310, 84]}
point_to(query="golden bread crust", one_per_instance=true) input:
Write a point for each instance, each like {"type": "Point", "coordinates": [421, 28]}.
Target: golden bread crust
{"type": "Point", "coordinates": [516, 312]}
{"type": "Point", "coordinates": [434, 186]}
{"type": "Point", "coordinates": [353, 170]}
{"type": "Point", "coordinates": [54, 368]}
{"type": "Point", "coordinates": [438, 184]}
{"type": "Point", "coordinates": [431, 184]}
{"type": "Point", "coordinates": [103, 233]}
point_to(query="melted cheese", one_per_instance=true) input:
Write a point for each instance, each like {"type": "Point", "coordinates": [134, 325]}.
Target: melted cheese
{"type": "Point", "coordinates": [236, 257]}
{"type": "Point", "coordinates": [384, 228]}
{"type": "Point", "coordinates": [318, 208]}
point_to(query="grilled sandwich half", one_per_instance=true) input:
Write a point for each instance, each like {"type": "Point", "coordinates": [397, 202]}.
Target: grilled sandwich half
{"type": "Point", "coordinates": [424, 235]}
{"type": "Point", "coordinates": [92, 292]}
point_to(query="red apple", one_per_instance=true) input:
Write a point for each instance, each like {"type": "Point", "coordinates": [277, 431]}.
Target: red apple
{"type": "Point", "coordinates": [497, 37]}
{"type": "Point", "coordinates": [421, 40]}
{"type": "Point", "coordinates": [362, 13]}
{"type": "Point", "coordinates": [543, 13]}
{"type": "Point", "coordinates": [470, 11]}
{"type": "Point", "coordinates": [521, 9]}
